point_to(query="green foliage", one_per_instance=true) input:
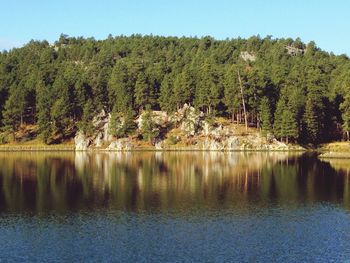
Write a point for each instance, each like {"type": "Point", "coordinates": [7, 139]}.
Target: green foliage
{"type": "Point", "coordinates": [149, 128]}
{"type": "Point", "coordinates": [232, 94]}
{"type": "Point", "coordinates": [60, 87]}
{"type": "Point", "coordinates": [4, 138]}
{"type": "Point", "coordinates": [86, 124]}
{"type": "Point", "coordinates": [265, 115]}
{"type": "Point", "coordinates": [208, 89]}
{"type": "Point", "coordinates": [167, 97]}
{"type": "Point", "coordinates": [43, 105]}
{"type": "Point", "coordinates": [289, 125]}
{"type": "Point", "coordinates": [285, 125]}
{"type": "Point", "coordinates": [122, 124]}
{"type": "Point", "coordinates": [345, 108]}
{"type": "Point", "coordinates": [143, 94]}
{"type": "Point", "coordinates": [313, 119]}
{"type": "Point", "coordinates": [12, 114]}
{"type": "Point", "coordinates": [278, 123]}
{"type": "Point", "coordinates": [172, 140]}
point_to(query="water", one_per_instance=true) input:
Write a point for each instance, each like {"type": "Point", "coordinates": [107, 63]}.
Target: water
{"type": "Point", "coordinates": [173, 207]}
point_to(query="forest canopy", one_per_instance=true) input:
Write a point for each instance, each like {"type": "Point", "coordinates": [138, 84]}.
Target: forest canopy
{"type": "Point", "coordinates": [290, 89]}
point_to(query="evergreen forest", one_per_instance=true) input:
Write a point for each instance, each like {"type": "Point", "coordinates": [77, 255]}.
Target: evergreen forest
{"type": "Point", "coordinates": [293, 90]}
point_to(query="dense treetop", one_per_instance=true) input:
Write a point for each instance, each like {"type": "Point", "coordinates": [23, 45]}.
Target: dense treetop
{"type": "Point", "coordinates": [294, 90]}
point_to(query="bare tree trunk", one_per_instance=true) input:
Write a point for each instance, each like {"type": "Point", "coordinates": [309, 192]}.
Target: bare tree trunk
{"type": "Point", "coordinates": [243, 101]}
{"type": "Point", "coordinates": [348, 135]}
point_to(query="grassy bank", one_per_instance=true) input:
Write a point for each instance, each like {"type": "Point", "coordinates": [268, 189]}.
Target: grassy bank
{"type": "Point", "coordinates": [340, 150]}
{"type": "Point", "coordinates": [36, 145]}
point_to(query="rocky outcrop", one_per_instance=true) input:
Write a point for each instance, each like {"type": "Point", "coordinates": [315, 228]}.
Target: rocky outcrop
{"type": "Point", "coordinates": [190, 119]}
{"type": "Point", "coordinates": [101, 123]}
{"type": "Point", "coordinates": [246, 56]}
{"type": "Point", "coordinates": [243, 143]}
{"type": "Point", "coordinates": [159, 145]}
{"type": "Point", "coordinates": [123, 144]}
{"type": "Point", "coordinates": [185, 129]}
{"type": "Point", "coordinates": [213, 145]}
{"type": "Point", "coordinates": [160, 118]}
{"type": "Point", "coordinates": [81, 142]}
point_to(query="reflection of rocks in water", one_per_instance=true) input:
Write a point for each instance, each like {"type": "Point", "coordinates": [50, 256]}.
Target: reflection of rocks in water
{"type": "Point", "coordinates": [180, 180]}
{"type": "Point", "coordinates": [81, 159]}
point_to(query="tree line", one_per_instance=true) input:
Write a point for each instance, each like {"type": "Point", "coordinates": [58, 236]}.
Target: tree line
{"type": "Point", "coordinates": [287, 88]}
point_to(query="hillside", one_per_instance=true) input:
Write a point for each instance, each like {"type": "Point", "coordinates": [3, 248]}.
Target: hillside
{"type": "Point", "coordinates": [292, 91]}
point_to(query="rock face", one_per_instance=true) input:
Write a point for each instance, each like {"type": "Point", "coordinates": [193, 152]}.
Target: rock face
{"type": "Point", "coordinates": [189, 118]}
{"type": "Point", "coordinates": [233, 143]}
{"type": "Point", "coordinates": [101, 123]}
{"type": "Point", "coordinates": [160, 118]}
{"type": "Point", "coordinates": [81, 142]}
{"type": "Point", "coordinates": [246, 56]}
{"type": "Point", "coordinates": [158, 145]}
{"type": "Point", "coordinates": [185, 129]}
{"type": "Point", "coordinates": [120, 145]}
{"type": "Point", "coordinates": [213, 145]}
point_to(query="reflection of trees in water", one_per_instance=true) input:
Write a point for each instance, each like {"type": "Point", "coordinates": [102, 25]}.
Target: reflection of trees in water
{"type": "Point", "coordinates": [180, 180]}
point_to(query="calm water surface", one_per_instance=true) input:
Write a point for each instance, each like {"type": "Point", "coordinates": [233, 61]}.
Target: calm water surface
{"type": "Point", "coordinates": [173, 207]}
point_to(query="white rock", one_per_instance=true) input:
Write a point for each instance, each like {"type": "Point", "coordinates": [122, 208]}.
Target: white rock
{"type": "Point", "coordinates": [81, 142]}
{"type": "Point", "coordinates": [159, 145]}
{"type": "Point", "coordinates": [119, 145]}
{"type": "Point", "coordinates": [232, 143]}
{"type": "Point", "coordinates": [212, 145]}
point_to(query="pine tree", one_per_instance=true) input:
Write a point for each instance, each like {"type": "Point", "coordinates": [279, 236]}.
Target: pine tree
{"type": "Point", "coordinates": [166, 99]}
{"type": "Point", "coordinates": [85, 124]}
{"type": "Point", "coordinates": [232, 98]}
{"type": "Point", "coordinates": [311, 121]}
{"type": "Point", "coordinates": [122, 124]}
{"type": "Point", "coordinates": [345, 108]}
{"type": "Point", "coordinates": [289, 125]}
{"type": "Point", "coordinates": [129, 125]}
{"type": "Point", "coordinates": [12, 115]}
{"type": "Point", "coordinates": [142, 92]}
{"type": "Point", "coordinates": [183, 88]}
{"type": "Point", "coordinates": [43, 106]}
{"type": "Point", "coordinates": [265, 115]}
{"type": "Point", "coordinates": [278, 119]}
{"type": "Point", "coordinates": [62, 108]}
{"type": "Point", "coordinates": [207, 89]}
{"type": "Point", "coordinates": [149, 128]}
{"type": "Point", "coordinates": [121, 87]}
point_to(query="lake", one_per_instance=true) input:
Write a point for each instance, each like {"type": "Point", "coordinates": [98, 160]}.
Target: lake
{"type": "Point", "coordinates": [173, 207]}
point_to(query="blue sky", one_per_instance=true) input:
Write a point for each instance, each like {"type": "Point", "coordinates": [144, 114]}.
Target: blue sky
{"type": "Point", "coordinates": [327, 22]}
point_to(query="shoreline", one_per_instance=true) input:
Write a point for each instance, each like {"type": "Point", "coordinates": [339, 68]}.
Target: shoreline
{"type": "Point", "coordinates": [48, 148]}
{"type": "Point", "coordinates": [335, 150]}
